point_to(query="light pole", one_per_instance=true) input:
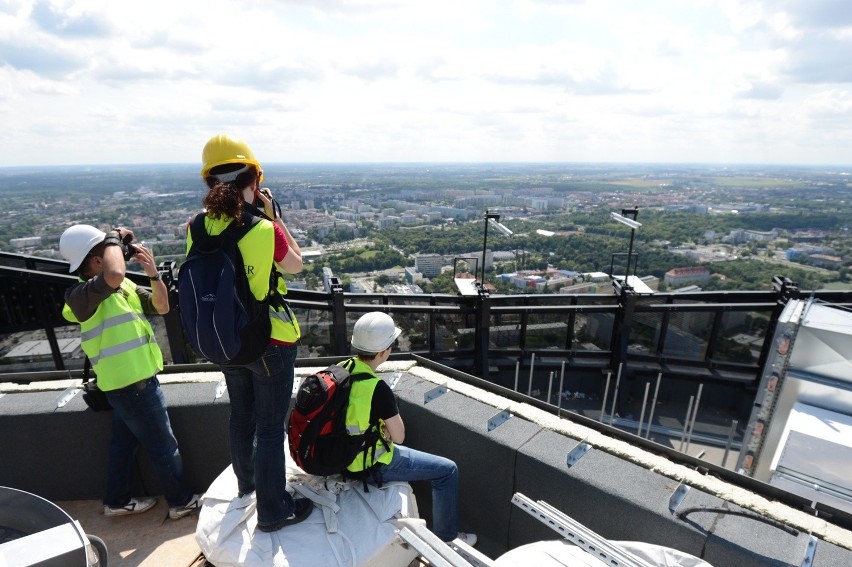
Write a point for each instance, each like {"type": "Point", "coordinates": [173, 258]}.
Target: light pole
{"type": "Point", "coordinates": [622, 218]}
{"type": "Point", "coordinates": [494, 220]}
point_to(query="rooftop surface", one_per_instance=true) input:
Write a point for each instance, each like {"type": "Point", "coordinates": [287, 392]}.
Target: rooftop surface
{"type": "Point", "coordinates": [141, 540]}
{"type": "Point", "coordinates": [616, 489]}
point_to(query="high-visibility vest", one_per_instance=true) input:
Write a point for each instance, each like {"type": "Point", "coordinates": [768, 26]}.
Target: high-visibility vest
{"type": "Point", "coordinates": [257, 248]}
{"type": "Point", "coordinates": [119, 340]}
{"type": "Point", "coordinates": [358, 416]}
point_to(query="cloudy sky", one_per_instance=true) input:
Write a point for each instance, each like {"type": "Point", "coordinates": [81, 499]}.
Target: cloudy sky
{"type": "Point", "coordinates": [715, 81]}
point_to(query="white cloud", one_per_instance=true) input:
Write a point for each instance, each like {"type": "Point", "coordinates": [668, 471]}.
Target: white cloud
{"type": "Point", "coordinates": [91, 81]}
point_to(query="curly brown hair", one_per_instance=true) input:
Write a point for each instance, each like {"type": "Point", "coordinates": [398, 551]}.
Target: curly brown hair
{"type": "Point", "coordinates": [225, 199]}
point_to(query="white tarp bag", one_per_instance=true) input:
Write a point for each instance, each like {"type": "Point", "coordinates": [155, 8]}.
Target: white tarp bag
{"type": "Point", "coordinates": [558, 553]}
{"type": "Point", "coordinates": [347, 528]}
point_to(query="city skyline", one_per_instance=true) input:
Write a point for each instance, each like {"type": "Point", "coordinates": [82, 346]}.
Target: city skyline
{"type": "Point", "coordinates": [386, 81]}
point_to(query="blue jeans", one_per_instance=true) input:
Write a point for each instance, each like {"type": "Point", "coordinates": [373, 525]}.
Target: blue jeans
{"type": "Point", "coordinates": [409, 464]}
{"type": "Point", "coordinates": [139, 417]}
{"type": "Point", "coordinates": [260, 395]}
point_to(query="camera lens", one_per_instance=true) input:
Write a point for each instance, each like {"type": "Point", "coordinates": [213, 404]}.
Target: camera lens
{"type": "Point", "coordinates": [129, 249]}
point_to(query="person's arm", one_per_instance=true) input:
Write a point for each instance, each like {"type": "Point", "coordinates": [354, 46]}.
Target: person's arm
{"type": "Point", "coordinates": [160, 295]}
{"type": "Point", "coordinates": [386, 411]}
{"type": "Point", "coordinates": [84, 298]}
{"type": "Point", "coordinates": [292, 260]}
{"type": "Point", "coordinates": [395, 429]}
{"type": "Point", "coordinates": [113, 260]}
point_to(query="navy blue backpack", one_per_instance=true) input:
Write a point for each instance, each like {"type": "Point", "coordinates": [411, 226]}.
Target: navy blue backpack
{"type": "Point", "coordinates": [222, 319]}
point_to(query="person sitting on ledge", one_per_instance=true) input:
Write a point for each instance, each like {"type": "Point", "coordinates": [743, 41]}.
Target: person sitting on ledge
{"type": "Point", "coordinates": [373, 404]}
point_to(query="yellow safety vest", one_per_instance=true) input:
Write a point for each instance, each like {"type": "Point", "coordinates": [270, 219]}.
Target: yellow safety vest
{"type": "Point", "coordinates": [257, 248]}
{"type": "Point", "coordinates": [119, 340]}
{"type": "Point", "coordinates": [358, 416]}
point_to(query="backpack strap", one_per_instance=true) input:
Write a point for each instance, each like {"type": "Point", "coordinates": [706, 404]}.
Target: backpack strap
{"type": "Point", "coordinates": [275, 298]}
{"type": "Point", "coordinates": [371, 437]}
{"type": "Point", "coordinates": [231, 235]}
{"type": "Point", "coordinates": [227, 239]}
{"type": "Point", "coordinates": [87, 366]}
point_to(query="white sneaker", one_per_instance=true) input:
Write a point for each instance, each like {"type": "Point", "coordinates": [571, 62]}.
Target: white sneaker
{"type": "Point", "coordinates": [135, 506]}
{"type": "Point", "coordinates": [194, 505]}
{"type": "Point", "coordinates": [466, 538]}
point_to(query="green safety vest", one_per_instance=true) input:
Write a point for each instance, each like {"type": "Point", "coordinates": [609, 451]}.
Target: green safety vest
{"type": "Point", "coordinates": [257, 248]}
{"type": "Point", "coordinates": [119, 340]}
{"type": "Point", "coordinates": [358, 416]}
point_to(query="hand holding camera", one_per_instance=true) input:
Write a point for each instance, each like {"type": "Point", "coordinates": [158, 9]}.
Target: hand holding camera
{"type": "Point", "coordinates": [126, 236]}
{"type": "Point", "coordinates": [265, 200]}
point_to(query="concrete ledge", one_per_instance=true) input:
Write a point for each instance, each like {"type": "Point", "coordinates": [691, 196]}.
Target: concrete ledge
{"type": "Point", "coordinates": [61, 453]}
{"type": "Point", "coordinates": [615, 498]}
{"type": "Point", "coordinates": [455, 426]}
{"type": "Point", "coordinates": [619, 491]}
{"type": "Point", "coordinates": [622, 492]}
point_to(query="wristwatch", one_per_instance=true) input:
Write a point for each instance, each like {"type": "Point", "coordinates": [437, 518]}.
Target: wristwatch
{"type": "Point", "coordinates": [156, 278]}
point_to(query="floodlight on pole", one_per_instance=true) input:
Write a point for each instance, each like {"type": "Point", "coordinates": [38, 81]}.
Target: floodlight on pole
{"type": "Point", "coordinates": [634, 212]}
{"type": "Point", "coordinates": [625, 221]}
{"type": "Point", "coordinates": [504, 230]}
{"type": "Point", "coordinates": [494, 220]}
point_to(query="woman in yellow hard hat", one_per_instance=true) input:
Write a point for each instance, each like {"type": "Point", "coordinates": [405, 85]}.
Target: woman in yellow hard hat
{"type": "Point", "coordinates": [260, 391]}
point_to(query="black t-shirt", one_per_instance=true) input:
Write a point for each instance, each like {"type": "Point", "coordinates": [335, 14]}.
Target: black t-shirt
{"type": "Point", "coordinates": [383, 405]}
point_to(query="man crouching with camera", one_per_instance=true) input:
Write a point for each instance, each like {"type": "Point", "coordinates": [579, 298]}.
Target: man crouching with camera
{"type": "Point", "coordinates": [120, 343]}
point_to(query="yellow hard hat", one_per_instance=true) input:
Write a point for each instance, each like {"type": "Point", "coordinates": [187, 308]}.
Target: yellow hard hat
{"type": "Point", "coordinates": [222, 149]}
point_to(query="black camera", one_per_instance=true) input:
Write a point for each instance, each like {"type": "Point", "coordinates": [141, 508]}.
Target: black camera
{"type": "Point", "coordinates": [127, 246]}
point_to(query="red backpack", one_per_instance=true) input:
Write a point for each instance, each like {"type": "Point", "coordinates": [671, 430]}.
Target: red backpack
{"type": "Point", "coordinates": [319, 442]}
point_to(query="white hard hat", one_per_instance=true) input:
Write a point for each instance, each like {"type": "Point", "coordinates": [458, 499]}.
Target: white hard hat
{"type": "Point", "coordinates": [374, 332]}
{"type": "Point", "coordinates": [76, 242]}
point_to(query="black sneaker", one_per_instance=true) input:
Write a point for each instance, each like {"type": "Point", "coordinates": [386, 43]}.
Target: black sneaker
{"type": "Point", "coordinates": [303, 509]}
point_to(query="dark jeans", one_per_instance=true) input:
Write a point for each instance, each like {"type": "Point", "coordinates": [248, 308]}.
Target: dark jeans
{"type": "Point", "coordinates": [410, 465]}
{"type": "Point", "coordinates": [139, 417]}
{"type": "Point", "coordinates": [260, 395]}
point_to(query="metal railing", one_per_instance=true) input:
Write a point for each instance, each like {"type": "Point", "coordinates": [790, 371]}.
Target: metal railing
{"type": "Point", "coordinates": [702, 337]}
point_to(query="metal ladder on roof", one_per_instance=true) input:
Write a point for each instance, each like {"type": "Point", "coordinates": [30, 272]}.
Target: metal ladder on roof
{"type": "Point", "coordinates": [578, 534]}
{"type": "Point", "coordinates": [439, 553]}
{"type": "Point", "coordinates": [457, 554]}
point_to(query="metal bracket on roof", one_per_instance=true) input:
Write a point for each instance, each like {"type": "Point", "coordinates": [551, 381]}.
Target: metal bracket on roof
{"type": "Point", "coordinates": [677, 497]}
{"type": "Point", "coordinates": [577, 453]}
{"type": "Point", "coordinates": [498, 419]}
{"type": "Point", "coordinates": [434, 393]}
{"type": "Point", "coordinates": [810, 551]}
{"type": "Point", "coordinates": [67, 396]}
{"type": "Point", "coordinates": [395, 378]}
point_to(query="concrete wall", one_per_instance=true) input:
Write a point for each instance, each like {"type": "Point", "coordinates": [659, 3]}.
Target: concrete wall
{"type": "Point", "coordinates": [617, 499]}
{"type": "Point", "coordinates": [60, 454]}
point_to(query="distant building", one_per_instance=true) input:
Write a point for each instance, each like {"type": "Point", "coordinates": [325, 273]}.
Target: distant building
{"type": "Point", "coordinates": [429, 264]}
{"type": "Point", "coordinates": [676, 277]}
{"type": "Point", "coordinates": [412, 275]}
{"type": "Point", "coordinates": [749, 235]}
{"type": "Point", "coordinates": [26, 242]}
{"type": "Point", "coordinates": [328, 279]}
{"type": "Point", "coordinates": [800, 251]}
{"type": "Point", "coordinates": [825, 261]}
{"type": "Point", "coordinates": [404, 289]}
